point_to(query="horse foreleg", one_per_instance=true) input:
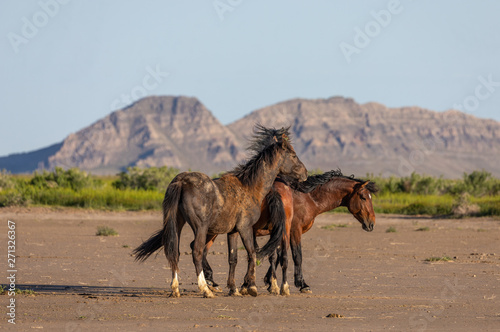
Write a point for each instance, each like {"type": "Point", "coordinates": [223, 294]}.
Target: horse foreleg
{"type": "Point", "coordinates": [232, 249]}
{"type": "Point", "coordinates": [297, 259]}
{"type": "Point", "coordinates": [248, 241]}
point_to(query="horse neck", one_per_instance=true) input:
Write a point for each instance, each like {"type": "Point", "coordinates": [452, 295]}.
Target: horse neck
{"type": "Point", "coordinates": [267, 176]}
{"type": "Point", "coordinates": [332, 194]}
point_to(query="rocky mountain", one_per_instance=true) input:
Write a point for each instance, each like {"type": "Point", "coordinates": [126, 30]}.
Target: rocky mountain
{"type": "Point", "coordinates": [371, 138]}
{"type": "Point", "coordinates": [327, 133]}
{"type": "Point", "coordinates": [155, 131]}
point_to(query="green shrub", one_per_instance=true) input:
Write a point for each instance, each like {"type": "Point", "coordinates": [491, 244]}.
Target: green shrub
{"type": "Point", "coordinates": [414, 184]}
{"type": "Point", "coordinates": [391, 229]}
{"type": "Point", "coordinates": [72, 178]}
{"type": "Point", "coordinates": [438, 259]}
{"type": "Point", "coordinates": [152, 178]}
{"type": "Point", "coordinates": [6, 180]}
{"type": "Point", "coordinates": [462, 206]}
{"type": "Point", "coordinates": [477, 183]}
{"type": "Point", "coordinates": [12, 197]}
{"type": "Point", "coordinates": [106, 231]}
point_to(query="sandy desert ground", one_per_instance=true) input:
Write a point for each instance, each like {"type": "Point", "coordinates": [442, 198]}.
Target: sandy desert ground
{"type": "Point", "coordinates": [366, 281]}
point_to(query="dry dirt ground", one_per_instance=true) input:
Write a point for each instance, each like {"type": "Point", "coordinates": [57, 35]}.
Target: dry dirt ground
{"type": "Point", "coordinates": [367, 281]}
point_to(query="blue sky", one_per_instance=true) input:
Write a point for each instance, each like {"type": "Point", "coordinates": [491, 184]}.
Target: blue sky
{"type": "Point", "coordinates": [66, 64]}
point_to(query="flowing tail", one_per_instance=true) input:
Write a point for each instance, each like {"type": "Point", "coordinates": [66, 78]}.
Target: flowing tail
{"type": "Point", "coordinates": [166, 237]}
{"type": "Point", "coordinates": [278, 220]}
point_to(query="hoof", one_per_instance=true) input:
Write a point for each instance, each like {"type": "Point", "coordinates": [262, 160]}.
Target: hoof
{"type": "Point", "coordinates": [234, 292]}
{"type": "Point", "coordinates": [273, 288]}
{"type": "Point", "coordinates": [306, 290]}
{"type": "Point", "coordinates": [208, 293]}
{"type": "Point", "coordinates": [244, 291]}
{"type": "Point", "coordinates": [273, 291]}
{"type": "Point", "coordinates": [215, 289]}
{"type": "Point", "coordinates": [175, 293]}
{"type": "Point", "coordinates": [285, 290]}
{"type": "Point", "coordinates": [252, 291]}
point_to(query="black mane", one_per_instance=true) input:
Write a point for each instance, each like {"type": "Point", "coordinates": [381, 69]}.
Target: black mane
{"type": "Point", "coordinates": [314, 181]}
{"type": "Point", "coordinates": [264, 137]}
{"type": "Point", "coordinates": [265, 144]}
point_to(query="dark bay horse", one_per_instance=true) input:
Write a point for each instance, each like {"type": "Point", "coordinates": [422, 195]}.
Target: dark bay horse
{"type": "Point", "coordinates": [230, 204]}
{"type": "Point", "coordinates": [302, 203]}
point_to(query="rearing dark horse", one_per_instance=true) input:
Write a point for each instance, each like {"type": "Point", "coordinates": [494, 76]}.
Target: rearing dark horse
{"type": "Point", "coordinates": [229, 204]}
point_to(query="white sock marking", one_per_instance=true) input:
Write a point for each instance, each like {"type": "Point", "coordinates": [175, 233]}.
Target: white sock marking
{"type": "Point", "coordinates": [175, 282]}
{"type": "Point", "coordinates": [201, 281]}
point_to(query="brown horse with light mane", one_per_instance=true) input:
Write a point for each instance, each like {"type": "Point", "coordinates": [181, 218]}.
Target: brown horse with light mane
{"type": "Point", "coordinates": [230, 204]}
{"type": "Point", "coordinates": [301, 203]}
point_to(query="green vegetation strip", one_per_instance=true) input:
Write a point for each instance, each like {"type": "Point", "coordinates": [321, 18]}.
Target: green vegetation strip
{"type": "Point", "coordinates": [476, 194]}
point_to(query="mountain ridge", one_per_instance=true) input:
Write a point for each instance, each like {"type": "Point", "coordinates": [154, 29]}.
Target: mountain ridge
{"type": "Point", "coordinates": [328, 133]}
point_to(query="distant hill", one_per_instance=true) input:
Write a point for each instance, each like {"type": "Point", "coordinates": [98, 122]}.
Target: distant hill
{"type": "Point", "coordinates": [372, 138]}
{"type": "Point", "coordinates": [328, 133]}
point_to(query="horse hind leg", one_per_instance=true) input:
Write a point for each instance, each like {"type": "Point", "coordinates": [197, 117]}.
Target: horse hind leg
{"type": "Point", "coordinates": [175, 285]}
{"type": "Point", "coordinates": [207, 269]}
{"type": "Point", "coordinates": [270, 278]}
{"type": "Point", "coordinates": [285, 289]}
{"type": "Point", "coordinates": [198, 247]}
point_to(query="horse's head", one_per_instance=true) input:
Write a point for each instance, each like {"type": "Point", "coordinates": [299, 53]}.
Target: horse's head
{"type": "Point", "coordinates": [360, 204]}
{"type": "Point", "coordinates": [291, 167]}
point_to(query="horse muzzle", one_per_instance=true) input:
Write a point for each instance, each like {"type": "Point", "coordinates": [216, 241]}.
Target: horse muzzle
{"type": "Point", "coordinates": [368, 226]}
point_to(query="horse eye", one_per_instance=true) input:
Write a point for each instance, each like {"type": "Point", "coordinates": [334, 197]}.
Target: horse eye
{"type": "Point", "coordinates": [362, 197]}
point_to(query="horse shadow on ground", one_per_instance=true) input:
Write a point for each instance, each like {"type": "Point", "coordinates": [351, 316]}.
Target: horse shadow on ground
{"type": "Point", "coordinates": [94, 291]}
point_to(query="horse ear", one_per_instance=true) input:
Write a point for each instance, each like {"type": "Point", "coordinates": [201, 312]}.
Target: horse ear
{"type": "Point", "coordinates": [364, 184]}
{"type": "Point", "coordinates": [284, 139]}
{"type": "Point", "coordinates": [275, 139]}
